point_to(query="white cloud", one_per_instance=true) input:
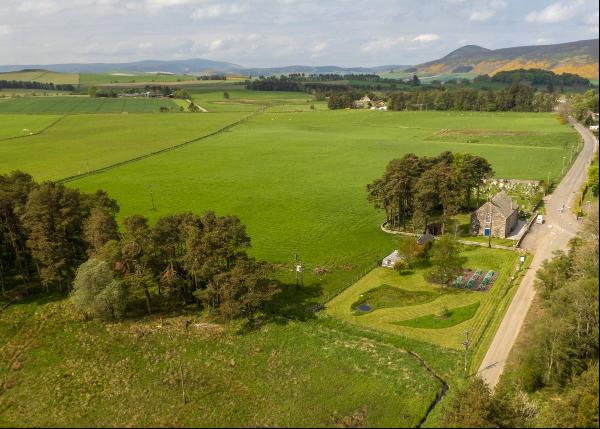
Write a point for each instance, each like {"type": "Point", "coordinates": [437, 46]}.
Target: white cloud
{"type": "Point", "coordinates": [556, 12]}
{"type": "Point", "coordinates": [426, 38]}
{"type": "Point", "coordinates": [5, 29]}
{"type": "Point", "coordinates": [218, 10]}
{"type": "Point", "coordinates": [487, 11]}
{"type": "Point", "coordinates": [215, 44]}
{"type": "Point", "coordinates": [160, 4]}
{"type": "Point", "coordinates": [481, 15]}
{"type": "Point", "coordinates": [382, 44]}
{"type": "Point", "coordinates": [317, 49]}
{"type": "Point", "coordinates": [40, 7]}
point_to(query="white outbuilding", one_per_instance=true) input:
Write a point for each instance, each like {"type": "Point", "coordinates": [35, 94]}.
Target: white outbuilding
{"type": "Point", "coordinates": [390, 260]}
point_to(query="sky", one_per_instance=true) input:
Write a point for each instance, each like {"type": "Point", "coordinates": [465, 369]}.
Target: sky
{"type": "Point", "coordinates": [263, 33]}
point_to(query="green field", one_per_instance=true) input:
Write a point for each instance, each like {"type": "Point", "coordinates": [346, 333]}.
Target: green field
{"type": "Point", "coordinates": [89, 79]}
{"type": "Point", "coordinates": [23, 125]}
{"type": "Point", "coordinates": [83, 104]}
{"type": "Point", "coordinates": [297, 374]}
{"type": "Point", "coordinates": [245, 100]}
{"type": "Point", "coordinates": [296, 177]}
{"type": "Point", "coordinates": [80, 143]}
{"type": "Point", "coordinates": [418, 320]}
{"type": "Point", "coordinates": [44, 76]}
{"type": "Point", "coordinates": [297, 180]}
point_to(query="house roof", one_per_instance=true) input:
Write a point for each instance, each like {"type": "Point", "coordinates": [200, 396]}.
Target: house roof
{"type": "Point", "coordinates": [504, 203]}
{"type": "Point", "coordinates": [424, 239]}
{"type": "Point", "coordinates": [394, 256]}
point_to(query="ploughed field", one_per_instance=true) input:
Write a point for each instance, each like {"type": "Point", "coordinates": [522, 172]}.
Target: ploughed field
{"type": "Point", "coordinates": [296, 179]}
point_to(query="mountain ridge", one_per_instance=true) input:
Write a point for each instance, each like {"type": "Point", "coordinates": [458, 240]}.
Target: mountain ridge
{"type": "Point", "coordinates": [579, 57]}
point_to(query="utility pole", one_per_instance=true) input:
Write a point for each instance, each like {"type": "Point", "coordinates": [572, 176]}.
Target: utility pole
{"type": "Point", "coordinates": [466, 344]}
{"type": "Point", "coordinates": [151, 196]}
{"type": "Point", "coordinates": [562, 171]}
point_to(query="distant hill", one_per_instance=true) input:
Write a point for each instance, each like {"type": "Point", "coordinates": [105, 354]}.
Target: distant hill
{"type": "Point", "coordinates": [579, 57]}
{"type": "Point", "coordinates": [190, 66]}
{"type": "Point", "coordinates": [193, 66]}
{"type": "Point", "coordinates": [576, 57]}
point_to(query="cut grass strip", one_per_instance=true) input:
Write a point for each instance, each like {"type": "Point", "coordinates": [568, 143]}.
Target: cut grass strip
{"type": "Point", "coordinates": [440, 321]}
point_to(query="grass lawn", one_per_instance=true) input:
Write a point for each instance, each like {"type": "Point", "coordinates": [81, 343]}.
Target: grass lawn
{"type": "Point", "coordinates": [386, 296]}
{"type": "Point", "coordinates": [445, 319]}
{"type": "Point", "coordinates": [84, 104]}
{"type": "Point", "coordinates": [59, 371]}
{"type": "Point", "coordinates": [80, 143]}
{"type": "Point", "coordinates": [416, 321]}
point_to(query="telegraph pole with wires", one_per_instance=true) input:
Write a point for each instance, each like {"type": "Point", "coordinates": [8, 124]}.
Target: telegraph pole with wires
{"type": "Point", "coordinates": [466, 344]}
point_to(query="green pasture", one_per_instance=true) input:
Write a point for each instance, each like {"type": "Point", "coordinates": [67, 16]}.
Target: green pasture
{"type": "Point", "coordinates": [84, 104]}
{"type": "Point", "coordinates": [79, 143]}
{"type": "Point", "coordinates": [297, 180]}
{"type": "Point", "coordinates": [126, 77]}
{"type": "Point", "coordinates": [293, 374]}
{"type": "Point", "coordinates": [247, 100]}
{"type": "Point", "coordinates": [23, 125]}
{"type": "Point", "coordinates": [44, 76]}
{"type": "Point", "coordinates": [418, 320]}
{"type": "Point", "coordinates": [89, 79]}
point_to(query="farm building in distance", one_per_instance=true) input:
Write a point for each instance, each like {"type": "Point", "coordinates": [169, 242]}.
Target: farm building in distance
{"type": "Point", "coordinates": [366, 103]}
{"type": "Point", "coordinates": [497, 217]}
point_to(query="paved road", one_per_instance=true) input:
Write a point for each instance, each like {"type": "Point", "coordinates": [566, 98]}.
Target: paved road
{"type": "Point", "coordinates": [543, 240]}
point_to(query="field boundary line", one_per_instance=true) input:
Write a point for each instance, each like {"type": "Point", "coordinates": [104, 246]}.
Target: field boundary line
{"type": "Point", "coordinates": [37, 133]}
{"type": "Point", "coordinates": [158, 152]}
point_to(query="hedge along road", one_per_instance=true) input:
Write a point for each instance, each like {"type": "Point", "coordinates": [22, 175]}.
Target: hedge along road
{"type": "Point", "coordinates": [560, 227]}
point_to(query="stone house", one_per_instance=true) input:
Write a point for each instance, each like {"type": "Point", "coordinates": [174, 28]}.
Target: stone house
{"type": "Point", "coordinates": [497, 217]}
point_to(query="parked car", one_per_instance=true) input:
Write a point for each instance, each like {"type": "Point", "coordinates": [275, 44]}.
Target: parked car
{"type": "Point", "coordinates": [539, 219]}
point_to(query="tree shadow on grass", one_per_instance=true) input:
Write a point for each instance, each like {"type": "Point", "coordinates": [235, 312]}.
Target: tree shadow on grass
{"type": "Point", "coordinates": [295, 303]}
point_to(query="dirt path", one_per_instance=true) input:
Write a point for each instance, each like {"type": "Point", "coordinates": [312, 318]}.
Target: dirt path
{"type": "Point", "coordinates": [555, 234]}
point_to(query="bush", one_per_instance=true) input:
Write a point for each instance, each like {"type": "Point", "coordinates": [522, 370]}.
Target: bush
{"type": "Point", "coordinates": [402, 266]}
{"type": "Point", "coordinates": [96, 293]}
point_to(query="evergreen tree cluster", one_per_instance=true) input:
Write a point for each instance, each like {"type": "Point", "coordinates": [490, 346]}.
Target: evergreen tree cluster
{"type": "Point", "coordinates": [517, 98]}
{"type": "Point", "coordinates": [49, 86]}
{"type": "Point", "coordinates": [536, 77]}
{"type": "Point", "coordinates": [416, 188]}
{"type": "Point", "coordinates": [69, 241]}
